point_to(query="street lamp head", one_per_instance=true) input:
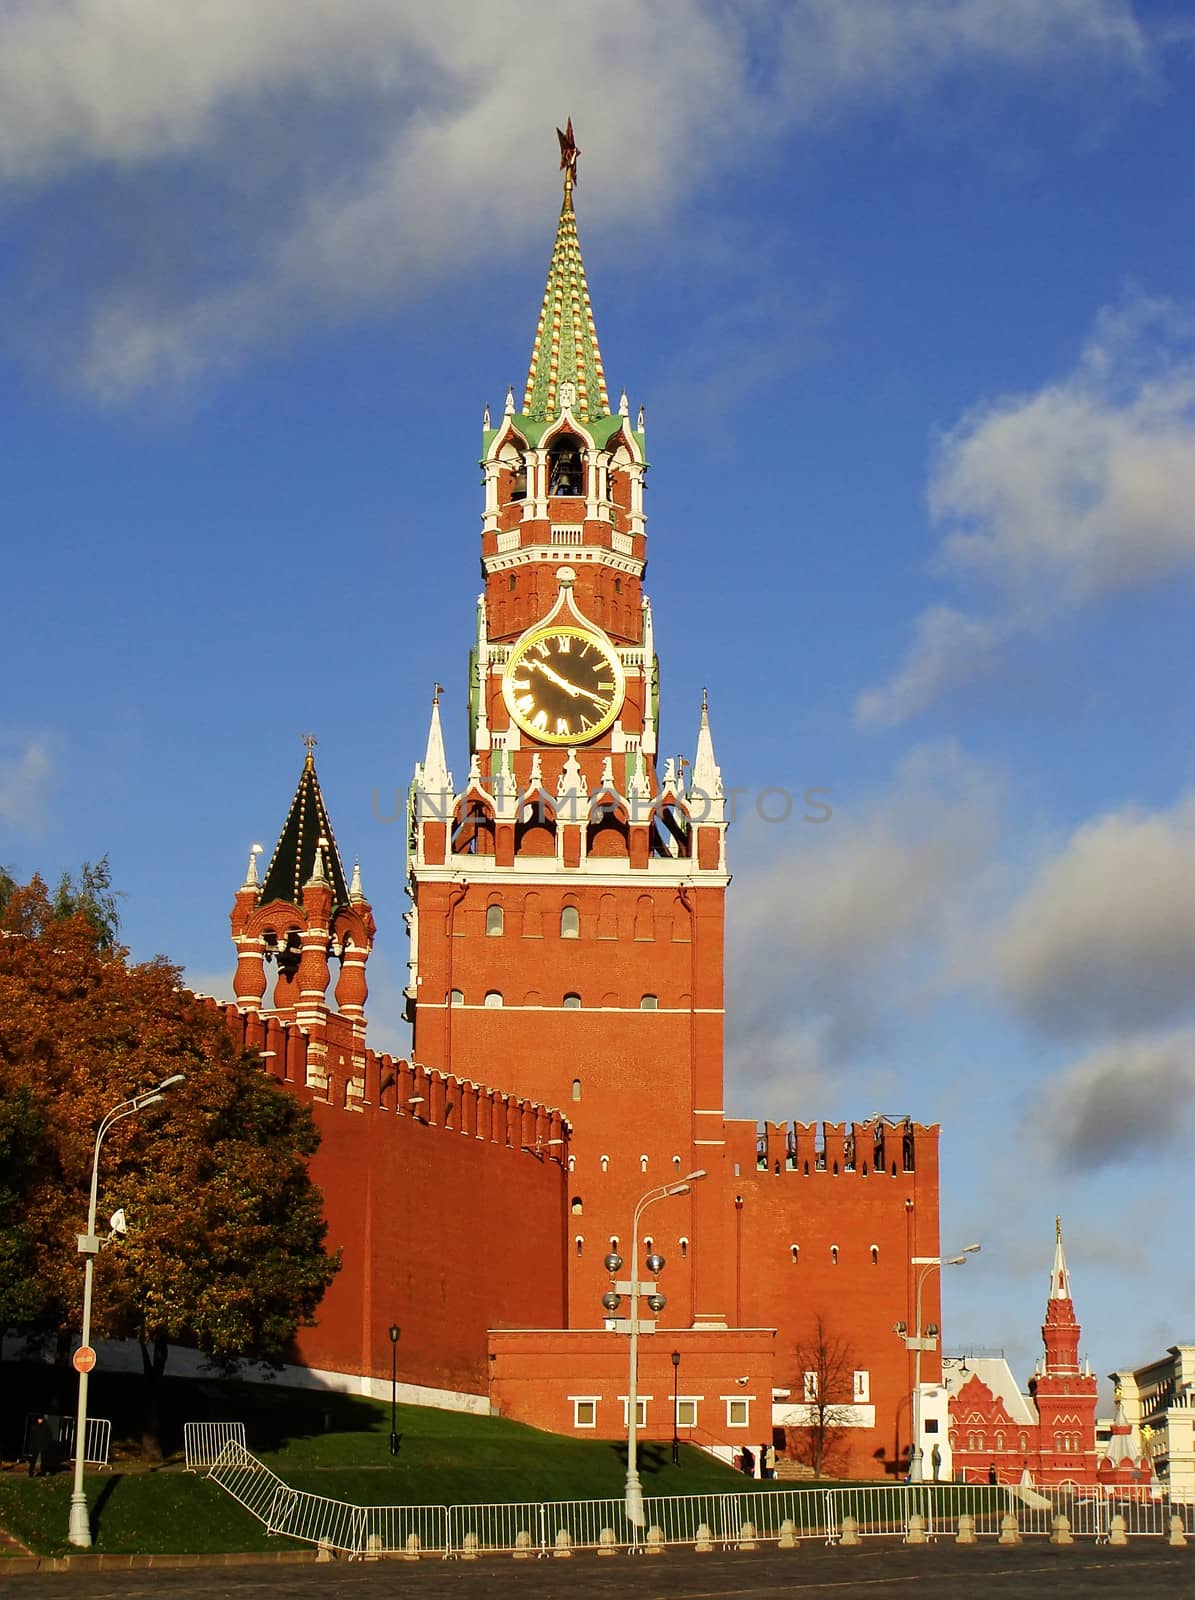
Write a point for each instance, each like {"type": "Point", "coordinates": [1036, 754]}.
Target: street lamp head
{"type": "Point", "coordinates": [611, 1301]}
{"type": "Point", "coordinates": [656, 1302]}
{"type": "Point", "coordinates": [970, 1249]}
{"type": "Point", "coordinates": [931, 1329]}
{"type": "Point", "coordinates": [654, 1264]}
{"type": "Point", "coordinates": [613, 1263]}
{"type": "Point", "coordinates": [900, 1329]}
{"type": "Point", "coordinates": [175, 1077]}
{"type": "Point", "coordinates": [956, 1261]}
{"type": "Point", "coordinates": [692, 1177]}
{"type": "Point", "coordinates": [395, 1330]}
{"type": "Point", "coordinates": [676, 1358]}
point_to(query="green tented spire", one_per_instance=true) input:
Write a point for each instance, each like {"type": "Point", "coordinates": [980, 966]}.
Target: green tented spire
{"type": "Point", "coordinates": [306, 830]}
{"type": "Point", "coordinates": [566, 346]}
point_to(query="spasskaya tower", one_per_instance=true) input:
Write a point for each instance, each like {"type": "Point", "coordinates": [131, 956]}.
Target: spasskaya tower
{"type": "Point", "coordinates": [567, 921]}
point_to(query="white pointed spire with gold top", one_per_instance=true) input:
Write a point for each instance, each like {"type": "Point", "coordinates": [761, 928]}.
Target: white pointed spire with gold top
{"type": "Point", "coordinates": [251, 882]}
{"type": "Point", "coordinates": [707, 774]}
{"type": "Point", "coordinates": [565, 351]}
{"type": "Point", "coordinates": [1060, 1279]}
{"type": "Point", "coordinates": [356, 892]}
{"type": "Point", "coordinates": [432, 774]}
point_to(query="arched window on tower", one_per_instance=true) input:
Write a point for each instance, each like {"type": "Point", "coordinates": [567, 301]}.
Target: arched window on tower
{"type": "Point", "coordinates": [875, 1255]}
{"type": "Point", "coordinates": [649, 1002]}
{"type": "Point", "coordinates": [493, 999]}
{"type": "Point", "coordinates": [456, 997]}
{"type": "Point", "coordinates": [570, 923]}
{"type": "Point", "coordinates": [494, 920]}
{"type": "Point", "coordinates": [684, 1247]}
{"type": "Point", "coordinates": [572, 1002]}
{"type": "Point", "coordinates": [834, 1254]}
{"type": "Point", "coordinates": [565, 471]}
{"type": "Point", "coordinates": [576, 1088]}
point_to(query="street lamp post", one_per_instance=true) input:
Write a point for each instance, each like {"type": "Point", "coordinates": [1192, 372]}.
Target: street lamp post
{"type": "Point", "coordinates": [656, 1302]}
{"type": "Point", "coordinates": [79, 1528]}
{"type": "Point", "coordinates": [395, 1330]}
{"type": "Point", "coordinates": [675, 1409]}
{"type": "Point", "coordinates": [925, 1340]}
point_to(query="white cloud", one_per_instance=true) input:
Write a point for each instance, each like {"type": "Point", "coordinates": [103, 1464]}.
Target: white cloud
{"type": "Point", "coordinates": [839, 930]}
{"type": "Point", "coordinates": [1129, 1097]}
{"type": "Point", "coordinates": [1059, 498]}
{"type": "Point", "coordinates": [1085, 487]}
{"type": "Point", "coordinates": [950, 649]}
{"type": "Point", "coordinates": [1104, 939]}
{"type": "Point", "coordinates": [26, 772]}
{"type": "Point", "coordinates": [349, 154]}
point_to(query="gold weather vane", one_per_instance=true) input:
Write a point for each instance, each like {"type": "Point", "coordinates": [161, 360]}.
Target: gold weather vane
{"type": "Point", "coordinates": [568, 156]}
{"type": "Point", "coordinates": [310, 740]}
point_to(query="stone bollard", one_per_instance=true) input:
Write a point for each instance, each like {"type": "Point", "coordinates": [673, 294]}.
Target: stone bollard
{"type": "Point", "coordinates": [564, 1543]}
{"type": "Point", "coordinates": [850, 1531]}
{"type": "Point", "coordinates": [324, 1550]}
{"type": "Point", "coordinates": [654, 1543]}
{"type": "Point", "coordinates": [966, 1529]}
{"type": "Point", "coordinates": [1010, 1529]}
{"type": "Point", "coordinates": [469, 1547]}
{"type": "Point", "coordinates": [1178, 1535]}
{"type": "Point", "coordinates": [522, 1549]}
{"type": "Point", "coordinates": [915, 1532]}
{"type": "Point", "coordinates": [1061, 1530]}
{"type": "Point", "coordinates": [373, 1547]}
{"type": "Point", "coordinates": [746, 1536]}
{"type": "Point", "coordinates": [607, 1545]}
{"type": "Point", "coordinates": [412, 1548]}
{"type": "Point", "coordinates": [788, 1535]}
{"type": "Point", "coordinates": [704, 1541]}
{"type": "Point", "coordinates": [1117, 1533]}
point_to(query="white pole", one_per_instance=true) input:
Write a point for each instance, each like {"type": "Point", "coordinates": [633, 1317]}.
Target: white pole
{"type": "Point", "coordinates": [79, 1527]}
{"type": "Point", "coordinates": [634, 1489]}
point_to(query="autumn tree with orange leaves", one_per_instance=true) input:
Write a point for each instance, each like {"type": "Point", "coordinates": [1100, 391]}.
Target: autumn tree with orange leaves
{"type": "Point", "coordinates": [225, 1244]}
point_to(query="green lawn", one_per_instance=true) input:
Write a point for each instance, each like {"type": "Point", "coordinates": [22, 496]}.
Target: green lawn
{"type": "Point", "coordinates": [333, 1445]}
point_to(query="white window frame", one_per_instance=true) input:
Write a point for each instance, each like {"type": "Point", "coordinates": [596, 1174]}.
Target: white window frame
{"type": "Point", "coordinates": [861, 1387]}
{"type": "Point", "coordinates": [809, 1388]}
{"type": "Point", "coordinates": [640, 1406]}
{"type": "Point", "coordinates": [733, 1400]}
{"type": "Point", "coordinates": [683, 1400]}
{"type": "Point", "coordinates": [580, 1400]}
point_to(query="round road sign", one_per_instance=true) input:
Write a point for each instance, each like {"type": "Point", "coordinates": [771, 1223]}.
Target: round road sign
{"type": "Point", "coordinates": [83, 1359]}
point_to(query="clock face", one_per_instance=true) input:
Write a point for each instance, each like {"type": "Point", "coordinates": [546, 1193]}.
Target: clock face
{"type": "Point", "coordinates": [563, 685]}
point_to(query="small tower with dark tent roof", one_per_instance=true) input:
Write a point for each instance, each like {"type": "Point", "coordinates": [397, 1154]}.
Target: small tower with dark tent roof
{"type": "Point", "coordinates": [304, 915]}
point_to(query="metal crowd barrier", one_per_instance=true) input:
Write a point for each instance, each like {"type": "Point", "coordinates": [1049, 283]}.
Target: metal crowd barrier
{"type": "Point", "coordinates": [730, 1520]}
{"type": "Point", "coordinates": [97, 1440]}
{"type": "Point", "coordinates": [203, 1441]}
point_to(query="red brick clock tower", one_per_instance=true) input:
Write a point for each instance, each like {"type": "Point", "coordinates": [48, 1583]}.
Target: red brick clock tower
{"type": "Point", "coordinates": [567, 921]}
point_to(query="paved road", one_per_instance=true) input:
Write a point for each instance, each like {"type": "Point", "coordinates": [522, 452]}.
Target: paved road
{"type": "Point", "coordinates": [1031, 1572]}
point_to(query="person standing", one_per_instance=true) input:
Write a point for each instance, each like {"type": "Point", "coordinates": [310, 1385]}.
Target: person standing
{"type": "Point", "coordinates": [41, 1445]}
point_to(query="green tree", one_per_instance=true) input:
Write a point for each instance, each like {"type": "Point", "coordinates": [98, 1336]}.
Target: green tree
{"type": "Point", "coordinates": [225, 1244]}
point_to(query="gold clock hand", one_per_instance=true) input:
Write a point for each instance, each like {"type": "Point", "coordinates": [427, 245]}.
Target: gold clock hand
{"type": "Point", "coordinates": [547, 671]}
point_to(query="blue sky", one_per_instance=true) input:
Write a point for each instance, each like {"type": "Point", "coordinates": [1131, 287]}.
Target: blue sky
{"type": "Point", "coordinates": [906, 289]}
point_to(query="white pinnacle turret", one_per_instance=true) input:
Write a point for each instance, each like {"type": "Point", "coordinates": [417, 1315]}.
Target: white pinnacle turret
{"type": "Point", "coordinates": [432, 774]}
{"type": "Point", "coordinates": [707, 774]}
{"type": "Point", "coordinates": [356, 892]}
{"type": "Point", "coordinates": [251, 870]}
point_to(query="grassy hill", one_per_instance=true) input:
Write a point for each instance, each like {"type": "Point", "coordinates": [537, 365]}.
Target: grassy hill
{"type": "Point", "coordinates": [332, 1444]}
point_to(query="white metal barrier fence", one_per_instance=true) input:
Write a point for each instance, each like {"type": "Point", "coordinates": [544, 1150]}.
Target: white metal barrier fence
{"type": "Point", "coordinates": [203, 1441]}
{"type": "Point", "coordinates": [97, 1440]}
{"type": "Point", "coordinates": [741, 1518]}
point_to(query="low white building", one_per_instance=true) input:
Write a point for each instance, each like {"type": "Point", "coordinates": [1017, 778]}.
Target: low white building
{"type": "Point", "coordinates": [1158, 1400]}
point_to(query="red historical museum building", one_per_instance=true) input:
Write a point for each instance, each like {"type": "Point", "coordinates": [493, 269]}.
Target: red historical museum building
{"type": "Point", "coordinates": [1047, 1433]}
{"type": "Point", "coordinates": [566, 928]}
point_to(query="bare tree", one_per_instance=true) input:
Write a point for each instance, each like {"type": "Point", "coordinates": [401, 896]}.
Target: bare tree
{"type": "Point", "coordinates": [826, 1365]}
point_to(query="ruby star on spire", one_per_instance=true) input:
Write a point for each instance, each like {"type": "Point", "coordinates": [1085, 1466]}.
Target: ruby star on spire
{"type": "Point", "coordinates": [568, 154]}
